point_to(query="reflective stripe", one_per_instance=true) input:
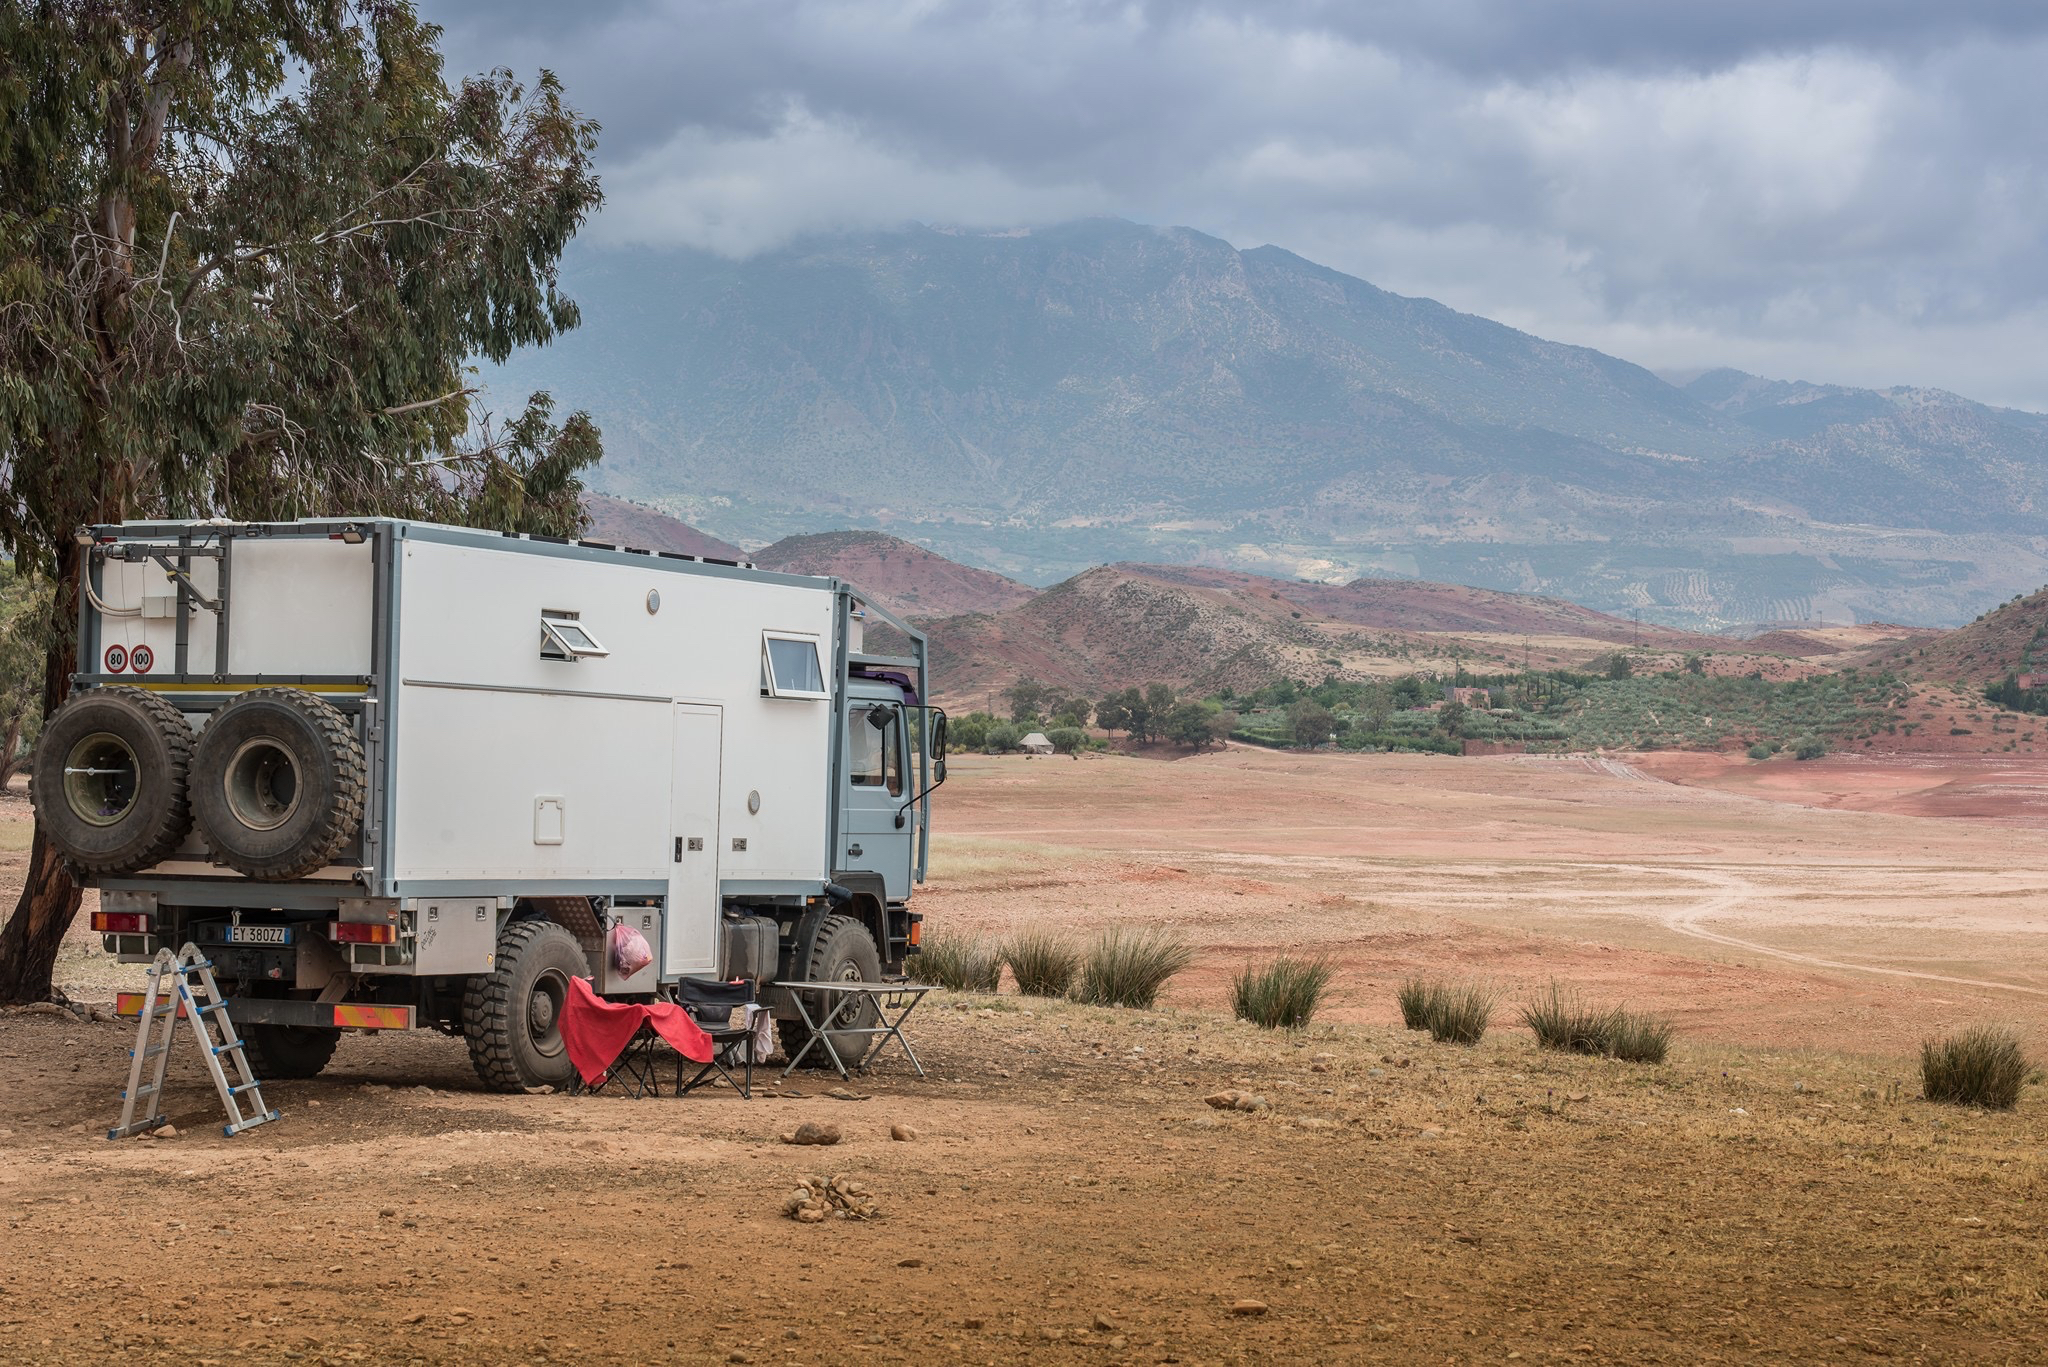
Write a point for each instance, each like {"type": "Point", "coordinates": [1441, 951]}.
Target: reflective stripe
{"type": "Point", "coordinates": [373, 1017]}
{"type": "Point", "coordinates": [130, 1004]}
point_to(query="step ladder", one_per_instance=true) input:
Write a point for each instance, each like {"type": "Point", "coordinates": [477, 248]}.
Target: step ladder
{"type": "Point", "coordinates": [181, 986]}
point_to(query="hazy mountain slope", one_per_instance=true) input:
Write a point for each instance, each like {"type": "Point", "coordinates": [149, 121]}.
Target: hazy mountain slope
{"type": "Point", "coordinates": [1200, 628]}
{"type": "Point", "coordinates": [1411, 605]}
{"type": "Point", "coordinates": [2010, 639]}
{"type": "Point", "coordinates": [633, 524]}
{"type": "Point", "coordinates": [904, 578]}
{"type": "Point", "coordinates": [1037, 402]}
{"type": "Point", "coordinates": [1899, 457]}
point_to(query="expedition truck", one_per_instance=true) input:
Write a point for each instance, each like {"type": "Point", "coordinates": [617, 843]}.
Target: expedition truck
{"type": "Point", "coordinates": [391, 774]}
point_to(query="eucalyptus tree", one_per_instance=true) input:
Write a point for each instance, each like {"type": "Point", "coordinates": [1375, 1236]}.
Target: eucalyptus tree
{"type": "Point", "coordinates": [248, 251]}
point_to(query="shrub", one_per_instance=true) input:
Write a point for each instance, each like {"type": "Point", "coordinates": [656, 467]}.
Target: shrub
{"type": "Point", "coordinates": [1284, 994]}
{"type": "Point", "coordinates": [1638, 1037]}
{"type": "Point", "coordinates": [1043, 961]}
{"type": "Point", "coordinates": [1459, 1015]}
{"type": "Point", "coordinates": [1809, 747]}
{"type": "Point", "coordinates": [1565, 1022]}
{"type": "Point", "coordinates": [1561, 1021]}
{"type": "Point", "coordinates": [1002, 738]}
{"type": "Point", "coordinates": [1128, 967]}
{"type": "Point", "coordinates": [969, 733]}
{"type": "Point", "coordinates": [961, 963]}
{"type": "Point", "coordinates": [1759, 751]}
{"type": "Point", "coordinates": [1415, 997]}
{"type": "Point", "coordinates": [1067, 739]}
{"type": "Point", "coordinates": [1980, 1067]}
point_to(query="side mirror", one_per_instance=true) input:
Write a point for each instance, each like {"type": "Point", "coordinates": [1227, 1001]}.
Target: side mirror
{"type": "Point", "coordinates": [939, 748]}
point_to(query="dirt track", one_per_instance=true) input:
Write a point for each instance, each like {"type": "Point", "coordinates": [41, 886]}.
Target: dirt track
{"type": "Point", "coordinates": [1774, 1193]}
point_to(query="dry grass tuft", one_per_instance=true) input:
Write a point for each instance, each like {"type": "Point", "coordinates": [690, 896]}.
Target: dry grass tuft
{"type": "Point", "coordinates": [1638, 1037]}
{"type": "Point", "coordinates": [961, 963]}
{"type": "Point", "coordinates": [1459, 1015]}
{"type": "Point", "coordinates": [1415, 997]}
{"type": "Point", "coordinates": [1451, 1014]}
{"type": "Point", "coordinates": [1044, 962]}
{"type": "Point", "coordinates": [1980, 1067]}
{"type": "Point", "coordinates": [1564, 1021]}
{"type": "Point", "coordinates": [1128, 967]}
{"type": "Point", "coordinates": [1283, 994]}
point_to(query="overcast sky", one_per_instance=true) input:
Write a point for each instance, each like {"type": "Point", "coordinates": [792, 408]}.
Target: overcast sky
{"type": "Point", "coordinates": [1842, 190]}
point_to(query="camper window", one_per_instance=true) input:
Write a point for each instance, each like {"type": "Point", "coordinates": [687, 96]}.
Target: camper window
{"type": "Point", "coordinates": [562, 638]}
{"type": "Point", "coordinates": [789, 667]}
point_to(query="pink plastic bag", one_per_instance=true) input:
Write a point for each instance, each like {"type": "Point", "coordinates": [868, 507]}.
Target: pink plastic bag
{"type": "Point", "coordinates": [630, 951]}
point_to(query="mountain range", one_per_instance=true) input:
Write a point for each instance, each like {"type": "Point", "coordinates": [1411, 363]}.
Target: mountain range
{"type": "Point", "coordinates": [1038, 402]}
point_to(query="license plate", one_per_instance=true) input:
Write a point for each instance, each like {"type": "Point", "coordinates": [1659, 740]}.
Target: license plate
{"type": "Point", "coordinates": [259, 935]}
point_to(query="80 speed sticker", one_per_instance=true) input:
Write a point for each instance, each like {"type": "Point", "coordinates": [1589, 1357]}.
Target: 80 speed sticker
{"type": "Point", "coordinates": [117, 659]}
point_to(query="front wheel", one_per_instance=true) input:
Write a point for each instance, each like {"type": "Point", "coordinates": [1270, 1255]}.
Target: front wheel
{"type": "Point", "coordinates": [512, 1016]}
{"type": "Point", "coordinates": [843, 952]}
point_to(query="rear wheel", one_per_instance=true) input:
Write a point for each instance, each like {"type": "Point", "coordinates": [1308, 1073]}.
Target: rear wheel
{"type": "Point", "coordinates": [512, 1016]}
{"type": "Point", "coordinates": [109, 783]}
{"type": "Point", "coordinates": [288, 1051]}
{"type": "Point", "coordinates": [843, 952]}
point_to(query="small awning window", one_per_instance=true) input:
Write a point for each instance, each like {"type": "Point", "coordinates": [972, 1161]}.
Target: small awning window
{"type": "Point", "coordinates": [562, 639]}
{"type": "Point", "coordinates": [789, 667]}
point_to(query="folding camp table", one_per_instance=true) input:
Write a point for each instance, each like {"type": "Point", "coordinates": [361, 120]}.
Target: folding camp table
{"type": "Point", "coordinates": [844, 999]}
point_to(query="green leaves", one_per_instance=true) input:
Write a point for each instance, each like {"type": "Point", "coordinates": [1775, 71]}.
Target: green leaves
{"type": "Point", "coordinates": [246, 253]}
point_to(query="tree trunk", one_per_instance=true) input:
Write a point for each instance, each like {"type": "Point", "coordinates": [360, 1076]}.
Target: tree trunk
{"type": "Point", "coordinates": [28, 945]}
{"type": "Point", "coordinates": [10, 741]}
{"type": "Point", "coordinates": [50, 896]}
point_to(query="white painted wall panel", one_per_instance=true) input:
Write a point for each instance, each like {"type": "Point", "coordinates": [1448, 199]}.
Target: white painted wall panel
{"type": "Point", "coordinates": [471, 615]}
{"type": "Point", "coordinates": [471, 763]}
{"type": "Point", "coordinates": [300, 605]}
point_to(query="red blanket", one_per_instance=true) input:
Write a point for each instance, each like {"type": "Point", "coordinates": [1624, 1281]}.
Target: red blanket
{"type": "Point", "coordinates": [596, 1031]}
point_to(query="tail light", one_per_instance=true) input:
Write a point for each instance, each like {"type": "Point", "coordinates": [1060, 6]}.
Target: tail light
{"type": "Point", "coordinates": [917, 932]}
{"type": "Point", "coordinates": [363, 933]}
{"type": "Point", "coordinates": [121, 922]}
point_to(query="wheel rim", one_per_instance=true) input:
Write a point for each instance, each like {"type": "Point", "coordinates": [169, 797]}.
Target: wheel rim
{"type": "Point", "coordinates": [862, 1015]}
{"type": "Point", "coordinates": [262, 785]}
{"type": "Point", "coordinates": [544, 1011]}
{"type": "Point", "coordinates": [101, 778]}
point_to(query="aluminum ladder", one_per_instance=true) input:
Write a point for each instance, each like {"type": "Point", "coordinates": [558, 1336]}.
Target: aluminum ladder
{"type": "Point", "coordinates": [194, 996]}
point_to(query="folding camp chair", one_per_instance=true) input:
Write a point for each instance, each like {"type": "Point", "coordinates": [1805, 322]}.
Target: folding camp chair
{"type": "Point", "coordinates": [633, 1071]}
{"type": "Point", "coordinates": [712, 1005]}
{"type": "Point", "coordinates": [616, 1045]}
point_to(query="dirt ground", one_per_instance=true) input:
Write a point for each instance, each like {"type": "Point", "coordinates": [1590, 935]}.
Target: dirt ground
{"type": "Point", "coordinates": [1775, 1192]}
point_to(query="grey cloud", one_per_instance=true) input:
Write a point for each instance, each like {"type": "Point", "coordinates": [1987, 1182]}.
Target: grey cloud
{"type": "Point", "coordinates": [1705, 182]}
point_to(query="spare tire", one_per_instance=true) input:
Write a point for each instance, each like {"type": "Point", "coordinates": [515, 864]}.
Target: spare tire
{"type": "Point", "coordinates": [110, 778]}
{"type": "Point", "coordinates": [277, 783]}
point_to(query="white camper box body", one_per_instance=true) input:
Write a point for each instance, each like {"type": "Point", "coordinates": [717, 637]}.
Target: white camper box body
{"type": "Point", "coordinates": [666, 782]}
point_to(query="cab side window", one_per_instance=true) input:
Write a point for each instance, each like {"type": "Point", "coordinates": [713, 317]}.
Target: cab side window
{"type": "Point", "coordinates": [864, 757]}
{"type": "Point", "coordinates": [875, 757]}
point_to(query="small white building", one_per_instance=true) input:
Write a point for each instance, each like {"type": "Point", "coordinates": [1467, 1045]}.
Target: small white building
{"type": "Point", "coordinates": [1035, 744]}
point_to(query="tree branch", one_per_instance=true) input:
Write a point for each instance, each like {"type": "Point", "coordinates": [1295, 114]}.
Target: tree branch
{"type": "Point", "coordinates": [426, 403]}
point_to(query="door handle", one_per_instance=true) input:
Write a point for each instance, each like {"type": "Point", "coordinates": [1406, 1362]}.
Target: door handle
{"type": "Point", "coordinates": [679, 850]}
{"type": "Point", "coordinates": [853, 851]}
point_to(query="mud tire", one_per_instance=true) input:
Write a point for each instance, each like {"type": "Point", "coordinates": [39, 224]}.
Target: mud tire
{"type": "Point", "coordinates": [158, 744]}
{"type": "Point", "coordinates": [515, 1041]}
{"type": "Point", "coordinates": [261, 734]}
{"type": "Point", "coordinates": [843, 951]}
{"type": "Point", "coordinates": [288, 1051]}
